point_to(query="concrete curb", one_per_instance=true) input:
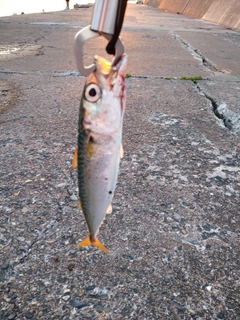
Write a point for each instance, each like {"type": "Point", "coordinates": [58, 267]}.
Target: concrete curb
{"type": "Point", "coordinates": [217, 11]}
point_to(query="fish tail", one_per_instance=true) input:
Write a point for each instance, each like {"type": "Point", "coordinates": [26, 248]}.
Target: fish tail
{"type": "Point", "coordinates": [96, 242]}
{"type": "Point", "coordinates": [99, 244]}
{"type": "Point", "coordinates": [85, 242]}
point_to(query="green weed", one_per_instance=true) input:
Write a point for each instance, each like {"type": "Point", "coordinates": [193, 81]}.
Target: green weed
{"type": "Point", "coordinates": [193, 79]}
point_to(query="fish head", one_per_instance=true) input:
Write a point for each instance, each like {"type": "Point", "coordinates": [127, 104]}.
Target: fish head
{"type": "Point", "coordinates": [104, 97]}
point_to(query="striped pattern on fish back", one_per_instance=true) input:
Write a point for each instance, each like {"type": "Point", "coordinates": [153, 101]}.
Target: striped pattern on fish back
{"type": "Point", "coordinates": [83, 138]}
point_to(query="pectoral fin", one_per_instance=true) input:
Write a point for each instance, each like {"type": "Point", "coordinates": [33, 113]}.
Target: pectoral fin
{"type": "Point", "coordinates": [75, 158]}
{"type": "Point", "coordinates": [97, 243]}
{"type": "Point", "coordinates": [90, 147]}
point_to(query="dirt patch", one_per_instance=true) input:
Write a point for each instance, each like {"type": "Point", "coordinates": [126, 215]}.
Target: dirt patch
{"type": "Point", "coordinates": [13, 51]}
{"type": "Point", "coordinates": [8, 95]}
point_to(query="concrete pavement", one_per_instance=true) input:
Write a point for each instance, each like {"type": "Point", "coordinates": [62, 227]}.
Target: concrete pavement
{"type": "Point", "coordinates": [174, 231]}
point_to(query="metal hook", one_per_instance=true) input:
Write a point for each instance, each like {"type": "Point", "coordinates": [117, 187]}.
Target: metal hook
{"type": "Point", "coordinates": [86, 34]}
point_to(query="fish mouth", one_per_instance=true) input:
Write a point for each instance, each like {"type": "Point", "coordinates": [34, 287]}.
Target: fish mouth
{"type": "Point", "coordinates": [86, 123]}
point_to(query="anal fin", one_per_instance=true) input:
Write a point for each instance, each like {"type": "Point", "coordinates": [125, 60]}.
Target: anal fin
{"type": "Point", "coordinates": [121, 151]}
{"type": "Point", "coordinates": [109, 209]}
{"type": "Point", "coordinates": [80, 204]}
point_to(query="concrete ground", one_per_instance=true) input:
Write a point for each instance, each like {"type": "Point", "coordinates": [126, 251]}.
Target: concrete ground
{"type": "Point", "coordinates": [174, 231]}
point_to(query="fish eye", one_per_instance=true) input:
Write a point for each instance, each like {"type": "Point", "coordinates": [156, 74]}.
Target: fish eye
{"type": "Point", "coordinates": [92, 92]}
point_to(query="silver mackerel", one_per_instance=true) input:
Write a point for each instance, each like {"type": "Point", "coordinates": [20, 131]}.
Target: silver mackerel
{"type": "Point", "coordinates": [99, 143]}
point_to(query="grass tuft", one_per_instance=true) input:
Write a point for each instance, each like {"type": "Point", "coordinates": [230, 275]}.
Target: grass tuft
{"type": "Point", "coordinates": [193, 79]}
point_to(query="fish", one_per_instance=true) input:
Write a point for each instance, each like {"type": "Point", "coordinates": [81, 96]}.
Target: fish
{"type": "Point", "coordinates": [99, 149]}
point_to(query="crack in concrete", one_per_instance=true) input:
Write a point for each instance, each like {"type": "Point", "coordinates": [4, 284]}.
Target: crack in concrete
{"type": "Point", "coordinates": [24, 258]}
{"type": "Point", "coordinates": [53, 73]}
{"type": "Point", "coordinates": [197, 55]}
{"type": "Point", "coordinates": [77, 74]}
{"type": "Point", "coordinates": [40, 37]}
{"type": "Point", "coordinates": [230, 119]}
{"type": "Point", "coordinates": [11, 120]}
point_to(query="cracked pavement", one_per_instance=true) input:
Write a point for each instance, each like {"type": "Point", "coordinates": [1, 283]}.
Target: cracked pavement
{"type": "Point", "coordinates": [174, 231]}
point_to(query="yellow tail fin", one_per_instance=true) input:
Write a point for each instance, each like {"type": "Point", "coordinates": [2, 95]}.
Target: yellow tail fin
{"type": "Point", "coordinates": [97, 243]}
